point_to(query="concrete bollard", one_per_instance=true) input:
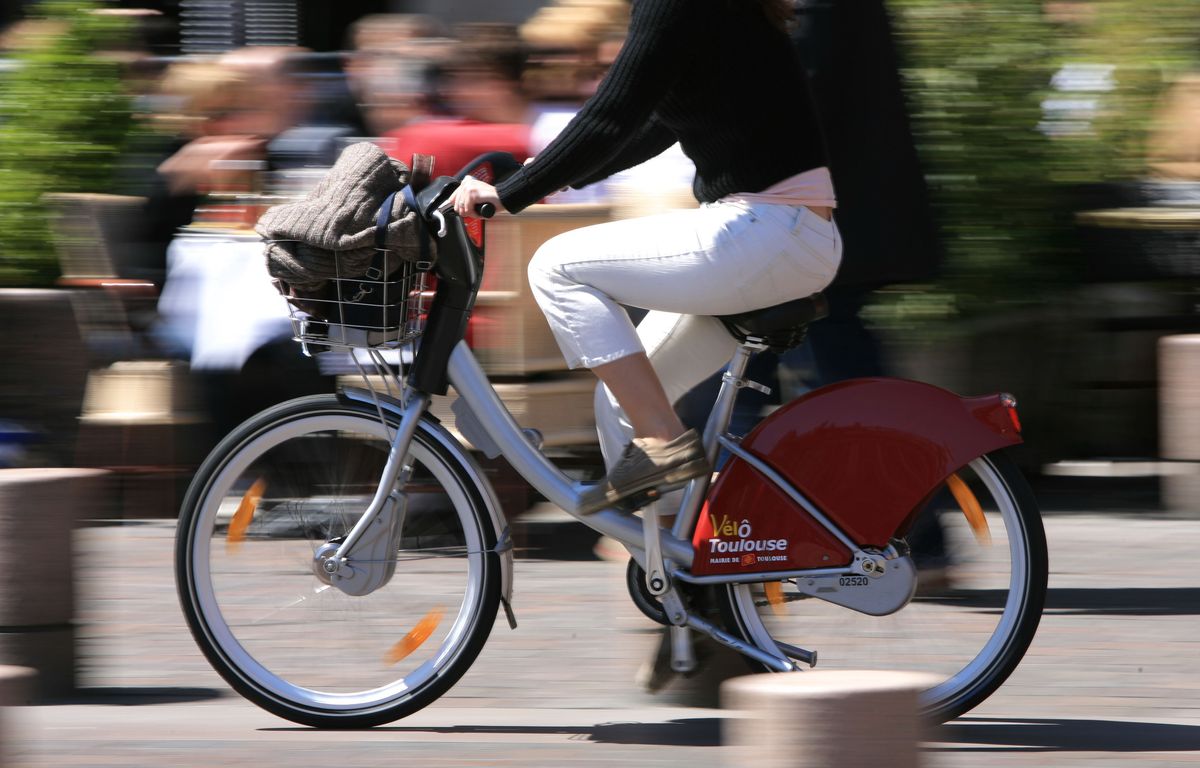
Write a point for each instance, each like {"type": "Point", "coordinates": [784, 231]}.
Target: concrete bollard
{"type": "Point", "coordinates": [824, 719]}
{"type": "Point", "coordinates": [1179, 422]}
{"type": "Point", "coordinates": [16, 689]}
{"type": "Point", "coordinates": [39, 509]}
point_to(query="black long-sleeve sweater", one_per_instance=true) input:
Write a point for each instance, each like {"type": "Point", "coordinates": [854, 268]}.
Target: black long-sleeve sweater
{"type": "Point", "coordinates": [715, 76]}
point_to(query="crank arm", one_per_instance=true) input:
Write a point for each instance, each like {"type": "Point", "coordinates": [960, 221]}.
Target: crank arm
{"type": "Point", "coordinates": [656, 570]}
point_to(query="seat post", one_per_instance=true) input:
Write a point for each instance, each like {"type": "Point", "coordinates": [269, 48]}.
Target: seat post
{"type": "Point", "coordinates": [718, 422]}
{"type": "Point", "coordinates": [731, 382]}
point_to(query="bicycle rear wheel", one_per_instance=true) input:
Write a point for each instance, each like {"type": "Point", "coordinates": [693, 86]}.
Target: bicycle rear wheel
{"type": "Point", "coordinates": [972, 618]}
{"type": "Point", "coordinates": [263, 505]}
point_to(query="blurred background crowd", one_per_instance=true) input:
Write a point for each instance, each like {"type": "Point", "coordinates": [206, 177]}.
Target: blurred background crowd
{"type": "Point", "coordinates": [1048, 151]}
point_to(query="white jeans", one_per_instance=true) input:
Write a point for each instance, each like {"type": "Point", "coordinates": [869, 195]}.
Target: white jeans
{"type": "Point", "coordinates": [683, 266]}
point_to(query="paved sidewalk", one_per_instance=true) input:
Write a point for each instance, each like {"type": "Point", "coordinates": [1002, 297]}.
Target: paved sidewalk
{"type": "Point", "coordinates": [1112, 679]}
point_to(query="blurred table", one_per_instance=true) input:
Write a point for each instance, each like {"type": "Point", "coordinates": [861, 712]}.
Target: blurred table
{"type": "Point", "coordinates": [218, 301]}
{"type": "Point", "coordinates": [1142, 218]}
{"type": "Point", "coordinates": [1141, 243]}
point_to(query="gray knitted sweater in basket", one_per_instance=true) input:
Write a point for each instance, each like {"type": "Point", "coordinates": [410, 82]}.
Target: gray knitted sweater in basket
{"type": "Point", "coordinates": [331, 233]}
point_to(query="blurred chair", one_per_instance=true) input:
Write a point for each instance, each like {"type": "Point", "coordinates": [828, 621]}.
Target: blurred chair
{"type": "Point", "coordinates": [134, 406]}
{"type": "Point", "coordinates": [88, 230]}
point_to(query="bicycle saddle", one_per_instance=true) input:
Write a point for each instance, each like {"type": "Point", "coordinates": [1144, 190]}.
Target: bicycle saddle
{"type": "Point", "coordinates": [780, 327]}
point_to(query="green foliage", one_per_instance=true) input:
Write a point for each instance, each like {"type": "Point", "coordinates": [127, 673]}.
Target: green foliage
{"type": "Point", "coordinates": [63, 121]}
{"type": "Point", "coordinates": [1003, 181]}
{"type": "Point", "coordinates": [977, 72]}
{"type": "Point", "coordinates": [1147, 49]}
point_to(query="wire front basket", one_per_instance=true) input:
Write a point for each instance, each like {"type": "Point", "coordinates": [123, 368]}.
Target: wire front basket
{"type": "Point", "coordinates": [383, 308]}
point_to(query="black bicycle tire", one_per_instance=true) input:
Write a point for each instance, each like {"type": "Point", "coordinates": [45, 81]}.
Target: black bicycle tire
{"type": "Point", "coordinates": [483, 619]}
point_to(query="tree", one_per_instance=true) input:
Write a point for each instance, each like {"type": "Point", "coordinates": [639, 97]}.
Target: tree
{"type": "Point", "coordinates": [64, 117]}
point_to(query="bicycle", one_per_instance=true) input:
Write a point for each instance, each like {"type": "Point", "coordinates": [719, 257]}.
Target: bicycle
{"type": "Point", "coordinates": [356, 524]}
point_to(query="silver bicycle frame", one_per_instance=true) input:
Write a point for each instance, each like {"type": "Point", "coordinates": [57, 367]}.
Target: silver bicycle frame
{"type": "Point", "coordinates": [493, 418]}
{"type": "Point", "coordinates": [473, 387]}
{"type": "Point", "coordinates": [489, 421]}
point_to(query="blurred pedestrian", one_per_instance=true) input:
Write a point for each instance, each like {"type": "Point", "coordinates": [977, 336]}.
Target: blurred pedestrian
{"type": "Point", "coordinates": [393, 68]}
{"type": "Point", "coordinates": [482, 88]}
{"type": "Point", "coordinates": [884, 213]}
{"type": "Point", "coordinates": [572, 49]}
{"type": "Point", "coordinates": [170, 164]}
{"type": "Point", "coordinates": [238, 104]}
{"type": "Point", "coordinates": [253, 98]}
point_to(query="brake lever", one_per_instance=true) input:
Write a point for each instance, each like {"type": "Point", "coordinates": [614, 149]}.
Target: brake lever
{"type": "Point", "coordinates": [440, 218]}
{"type": "Point", "coordinates": [485, 211]}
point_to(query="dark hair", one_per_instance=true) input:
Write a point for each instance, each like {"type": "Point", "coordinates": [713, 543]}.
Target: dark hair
{"type": "Point", "coordinates": [778, 12]}
{"type": "Point", "coordinates": [492, 47]}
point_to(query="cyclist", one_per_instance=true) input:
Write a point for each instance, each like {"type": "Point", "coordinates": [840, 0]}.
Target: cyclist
{"type": "Point", "coordinates": [721, 77]}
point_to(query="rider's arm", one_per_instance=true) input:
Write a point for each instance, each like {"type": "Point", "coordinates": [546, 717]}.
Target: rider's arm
{"type": "Point", "coordinates": [657, 51]}
{"type": "Point", "coordinates": [649, 142]}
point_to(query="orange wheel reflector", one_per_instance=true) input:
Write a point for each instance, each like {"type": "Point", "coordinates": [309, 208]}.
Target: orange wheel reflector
{"type": "Point", "coordinates": [774, 591]}
{"type": "Point", "coordinates": [244, 515]}
{"type": "Point", "coordinates": [970, 509]}
{"type": "Point", "coordinates": [413, 640]}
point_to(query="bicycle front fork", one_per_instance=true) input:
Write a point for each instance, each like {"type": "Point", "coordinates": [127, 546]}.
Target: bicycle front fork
{"type": "Point", "coordinates": [413, 410]}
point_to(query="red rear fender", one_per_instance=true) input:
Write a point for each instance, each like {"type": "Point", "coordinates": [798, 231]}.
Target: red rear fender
{"type": "Point", "coordinates": [866, 452]}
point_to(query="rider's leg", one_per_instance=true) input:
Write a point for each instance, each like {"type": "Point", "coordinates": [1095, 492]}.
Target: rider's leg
{"type": "Point", "coordinates": [718, 259]}
{"type": "Point", "coordinates": [632, 380]}
{"type": "Point", "coordinates": [662, 453]}
{"type": "Point", "coordinates": [683, 350]}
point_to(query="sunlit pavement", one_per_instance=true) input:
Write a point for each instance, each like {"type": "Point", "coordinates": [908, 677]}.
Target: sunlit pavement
{"type": "Point", "coordinates": [1113, 677]}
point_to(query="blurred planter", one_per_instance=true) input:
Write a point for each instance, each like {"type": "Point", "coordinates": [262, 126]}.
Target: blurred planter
{"type": "Point", "coordinates": [1082, 367]}
{"type": "Point", "coordinates": [1017, 353]}
{"type": "Point", "coordinates": [43, 370]}
{"type": "Point", "coordinates": [40, 509]}
{"type": "Point", "coordinates": [1179, 363]}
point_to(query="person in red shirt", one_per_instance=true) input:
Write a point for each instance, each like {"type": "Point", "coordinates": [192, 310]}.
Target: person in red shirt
{"type": "Point", "coordinates": [483, 91]}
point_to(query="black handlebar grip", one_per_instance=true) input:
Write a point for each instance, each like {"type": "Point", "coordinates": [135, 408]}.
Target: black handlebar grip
{"type": "Point", "coordinates": [485, 210]}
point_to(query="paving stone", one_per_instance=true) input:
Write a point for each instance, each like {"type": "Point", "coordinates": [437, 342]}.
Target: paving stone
{"type": "Point", "coordinates": [1113, 677]}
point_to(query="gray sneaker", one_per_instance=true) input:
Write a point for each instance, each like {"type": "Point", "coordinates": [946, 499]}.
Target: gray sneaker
{"type": "Point", "coordinates": [650, 466]}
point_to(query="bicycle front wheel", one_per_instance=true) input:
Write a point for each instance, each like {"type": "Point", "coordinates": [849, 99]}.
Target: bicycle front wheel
{"type": "Point", "coordinates": [282, 490]}
{"type": "Point", "coordinates": [978, 603]}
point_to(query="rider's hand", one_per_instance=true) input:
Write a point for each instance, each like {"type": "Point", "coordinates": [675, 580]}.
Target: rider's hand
{"type": "Point", "coordinates": [472, 192]}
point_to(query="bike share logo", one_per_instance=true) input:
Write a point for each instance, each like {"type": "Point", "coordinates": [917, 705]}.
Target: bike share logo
{"type": "Point", "coordinates": [749, 550]}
